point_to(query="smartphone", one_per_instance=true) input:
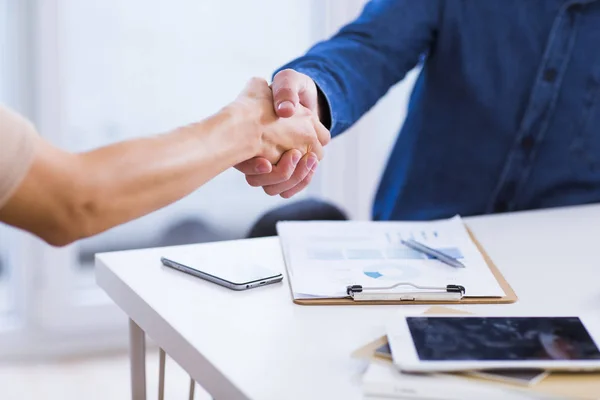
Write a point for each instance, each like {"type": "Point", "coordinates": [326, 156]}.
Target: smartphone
{"type": "Point", "coordinates": [467, 343]}
{"type": "Point", "coordinates": [232, 276]}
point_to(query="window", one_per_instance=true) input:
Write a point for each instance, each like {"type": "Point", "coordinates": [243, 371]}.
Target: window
{"type": "Point", "coordinates": [12, 289]}
{"type": "Point", "coordinates": [4, 286]}
{"type": "Point", "coordinates": [4, 32]}
{"type": "Point", "coordinates": [12, 95]}
{"type": "Point", "coordinates": [5, 300]}
{"type": "Point", "coordinates": [114, 70]}
{"type": "Point", "coordinates": [128, 73]}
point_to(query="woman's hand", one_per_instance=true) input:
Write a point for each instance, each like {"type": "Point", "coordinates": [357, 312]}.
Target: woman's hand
{"type": "Point", "coordinates": [273, 136]}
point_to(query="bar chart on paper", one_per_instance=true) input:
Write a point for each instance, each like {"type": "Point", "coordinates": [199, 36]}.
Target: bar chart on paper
{"type": "Point", "coordinates": [324, 257]}
{"type": "Point", "coordinates": [387, 272]}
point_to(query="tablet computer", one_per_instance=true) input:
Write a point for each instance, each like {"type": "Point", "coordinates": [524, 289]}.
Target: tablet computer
{"type": "Point", "coordinates": [465, 343]}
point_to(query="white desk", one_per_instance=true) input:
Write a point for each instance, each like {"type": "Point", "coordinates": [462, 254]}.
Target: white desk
{"type": "Point", "coordinates": [258, 345]}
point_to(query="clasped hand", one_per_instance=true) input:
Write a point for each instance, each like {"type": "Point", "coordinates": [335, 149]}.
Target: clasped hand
{"type": "Point", "coordinates": [292, 137]}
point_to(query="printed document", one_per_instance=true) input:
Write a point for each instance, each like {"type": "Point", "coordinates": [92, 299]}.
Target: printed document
{"type": "Point", "coordinates": [324, 257]}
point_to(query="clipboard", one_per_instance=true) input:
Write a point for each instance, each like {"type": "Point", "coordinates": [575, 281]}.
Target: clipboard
{"type": "Point", "coordinates": [509, 294]}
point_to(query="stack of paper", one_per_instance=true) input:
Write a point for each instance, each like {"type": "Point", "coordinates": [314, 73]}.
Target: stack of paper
{"type": "Point", "coordinates": [382, 380]}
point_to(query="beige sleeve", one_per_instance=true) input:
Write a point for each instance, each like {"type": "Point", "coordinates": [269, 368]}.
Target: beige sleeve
{"type": "Point", "coordinates": [17, 147]}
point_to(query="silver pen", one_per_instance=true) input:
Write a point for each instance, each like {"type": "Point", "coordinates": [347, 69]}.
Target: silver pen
{"type": "Point", "coordinates": [420, 247]}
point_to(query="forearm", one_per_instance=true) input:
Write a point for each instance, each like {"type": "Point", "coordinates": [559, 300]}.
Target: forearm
{"type": "Point", "coordinates": [69, 196]}
{"type": "Point", "coordinates": [159, 170]}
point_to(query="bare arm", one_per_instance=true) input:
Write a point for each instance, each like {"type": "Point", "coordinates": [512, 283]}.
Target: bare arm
{"type": "Point", "coordinates": [66, 196]}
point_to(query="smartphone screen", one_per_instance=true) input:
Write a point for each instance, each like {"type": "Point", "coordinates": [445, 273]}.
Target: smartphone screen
{"type": "Point", "coordinates": [501, 339]}
{"type": "Point", "coordinates": [238, 273]}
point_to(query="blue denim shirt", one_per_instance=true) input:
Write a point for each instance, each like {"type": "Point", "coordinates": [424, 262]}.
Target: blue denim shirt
{"type": "Point", "coordinates": [505, 114]}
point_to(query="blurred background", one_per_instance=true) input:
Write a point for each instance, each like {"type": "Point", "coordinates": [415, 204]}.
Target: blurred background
{"type": "Point", "coordinates": [92, 72]}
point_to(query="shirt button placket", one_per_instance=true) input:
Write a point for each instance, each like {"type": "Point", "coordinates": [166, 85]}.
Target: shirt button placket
{"type": "Point", "coordinates": [527, 144]}
{"type": "Point", "coordinates": [503, 203]}
{"type": "Point", "coordinates": [534, 121]}
{"type": "Point", "coordinates": [550, 75]}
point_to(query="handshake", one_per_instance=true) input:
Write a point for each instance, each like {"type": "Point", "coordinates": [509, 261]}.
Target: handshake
{"type": "Point", "coordinates": [273, 135]}
{"type": "Point", "coordinates": [286, 135]}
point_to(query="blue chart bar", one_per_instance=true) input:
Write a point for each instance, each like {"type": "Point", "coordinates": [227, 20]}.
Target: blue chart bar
{"type": "Point", "coordinates": [403, 254]}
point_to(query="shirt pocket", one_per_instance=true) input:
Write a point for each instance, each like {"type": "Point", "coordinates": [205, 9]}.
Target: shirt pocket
{"type": "Point", "coordinates": [586, 144]}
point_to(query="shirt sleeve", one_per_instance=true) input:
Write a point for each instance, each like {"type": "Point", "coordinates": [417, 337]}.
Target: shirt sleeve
{"type": "Point", "coordinates": [359, 64]}
{"type": "Point", "coordinates": [17, 148]}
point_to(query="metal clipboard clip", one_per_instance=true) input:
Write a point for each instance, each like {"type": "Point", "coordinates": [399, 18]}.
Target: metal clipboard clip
{"type": "Point", "coordinates": [417, 293]}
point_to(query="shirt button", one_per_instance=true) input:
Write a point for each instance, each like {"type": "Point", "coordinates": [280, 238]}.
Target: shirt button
{"type": "Point", "coordinates": [501, 206]}
{"type": "Point", "coordinates": [573, 10]}
{"type": "Point", "coordinates": [510, 189]}
{"type": "Point", "coordinates": [550, 75]}
{"type": "Point", "coordinates": [527, 143]}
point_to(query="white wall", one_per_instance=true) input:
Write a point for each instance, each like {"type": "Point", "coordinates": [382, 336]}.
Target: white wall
{"type": "Point", "coordinates": [125, 73]}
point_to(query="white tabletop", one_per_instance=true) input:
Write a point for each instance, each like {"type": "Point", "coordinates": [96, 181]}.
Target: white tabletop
{"type": "Point", "coordinates": [257, 344]}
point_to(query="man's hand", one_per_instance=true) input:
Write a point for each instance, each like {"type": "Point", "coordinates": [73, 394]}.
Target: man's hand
{"type": "Point", "coordinates": [292, 91]}
{"type": "Point", "coordinates": [291, 88]}
{"type": "Point", "coordinates": [270, 135]}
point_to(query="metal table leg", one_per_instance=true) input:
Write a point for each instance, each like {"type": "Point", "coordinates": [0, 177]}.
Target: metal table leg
{"type": "Point", "coordinates": [137, 358]}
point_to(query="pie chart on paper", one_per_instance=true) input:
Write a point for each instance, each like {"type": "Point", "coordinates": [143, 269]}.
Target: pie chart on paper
{"type": "Point", "coordinates": [387, 272]}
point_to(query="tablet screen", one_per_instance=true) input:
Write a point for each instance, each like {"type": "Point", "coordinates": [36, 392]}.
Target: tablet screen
{"type": "Point", "coordinates": [501, 339]}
